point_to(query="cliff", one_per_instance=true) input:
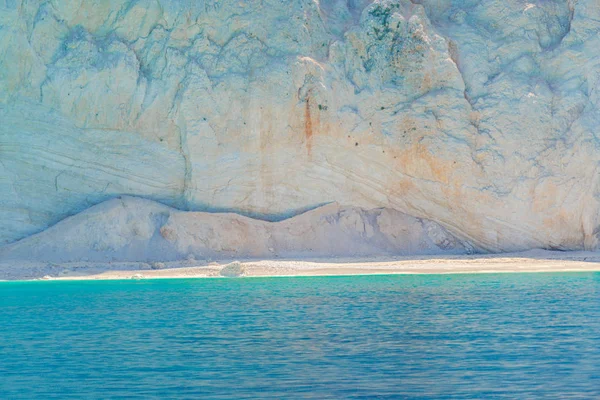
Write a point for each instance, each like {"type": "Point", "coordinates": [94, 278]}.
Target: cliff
{"type": "Point", "coordinates": [480, 116]}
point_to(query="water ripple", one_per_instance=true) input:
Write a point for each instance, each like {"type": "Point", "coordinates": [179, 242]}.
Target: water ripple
{"type": "Point", "coordinates": [443, 337]}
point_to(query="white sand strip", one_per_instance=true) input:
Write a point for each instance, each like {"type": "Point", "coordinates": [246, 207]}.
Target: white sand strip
{"type": "Point", "coordinates": [531, 261]}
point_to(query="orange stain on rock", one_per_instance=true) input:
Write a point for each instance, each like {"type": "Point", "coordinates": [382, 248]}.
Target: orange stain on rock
{"type": "Point", "coordinates": [308, 126]}
{"type": "Point", "coordinates": [419, 162]}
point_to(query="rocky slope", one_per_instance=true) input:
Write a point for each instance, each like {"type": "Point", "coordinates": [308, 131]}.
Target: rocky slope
{"type": "Point", "coordinates": [133, 229]}
{"type": "Point", "coordinates": [482, 116]}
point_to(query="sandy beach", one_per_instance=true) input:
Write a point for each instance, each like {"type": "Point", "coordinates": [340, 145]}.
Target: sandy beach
{"type": "Point", "coordinates": [530, 261]}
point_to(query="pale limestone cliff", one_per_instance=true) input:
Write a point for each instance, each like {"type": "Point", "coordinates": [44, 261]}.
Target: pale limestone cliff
{"type": "Point", "coordinates": [482, 116]}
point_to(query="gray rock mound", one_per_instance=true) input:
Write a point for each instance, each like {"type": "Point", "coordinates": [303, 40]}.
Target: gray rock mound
{"type": "Point", "coordinates": [134, 229]}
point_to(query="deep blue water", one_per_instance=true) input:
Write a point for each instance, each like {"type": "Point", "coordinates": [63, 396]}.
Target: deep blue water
{"type": "Point", "coordinates": [430, 336]}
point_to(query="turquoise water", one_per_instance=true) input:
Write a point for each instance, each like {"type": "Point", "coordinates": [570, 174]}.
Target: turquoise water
{"type": "Point", "coordinates": [429, 336]}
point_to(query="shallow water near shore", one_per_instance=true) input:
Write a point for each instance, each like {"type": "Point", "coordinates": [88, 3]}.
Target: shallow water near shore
{"type": "Point", "coordinates": [427, 336]}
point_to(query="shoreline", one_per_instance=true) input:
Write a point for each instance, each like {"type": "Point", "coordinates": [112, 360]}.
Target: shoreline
{"type": "Point", "coordinates": [524, 262]}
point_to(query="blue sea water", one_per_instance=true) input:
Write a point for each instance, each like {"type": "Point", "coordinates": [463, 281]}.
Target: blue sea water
{"type": "Point", "coordinates": [362, 337]}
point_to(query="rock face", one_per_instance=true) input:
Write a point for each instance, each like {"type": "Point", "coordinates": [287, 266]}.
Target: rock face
{"type": "Point", "coordinates": [134, 229]}
{"type": "Point", "coordinates": [482, 116]}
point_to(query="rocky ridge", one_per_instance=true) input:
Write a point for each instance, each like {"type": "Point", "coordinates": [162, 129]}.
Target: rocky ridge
{"type": "Point", "coordinates": [131, 229]}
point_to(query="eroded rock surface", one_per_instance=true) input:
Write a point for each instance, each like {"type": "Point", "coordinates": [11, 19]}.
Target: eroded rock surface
{"type": "Point", "coordinates": [134, 229]}
{"type": "Point", "coordinates": [481, 116]}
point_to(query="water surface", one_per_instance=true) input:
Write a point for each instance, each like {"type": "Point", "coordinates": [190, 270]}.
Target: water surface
{"type": "Point", "coordinates": [423, 336]}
